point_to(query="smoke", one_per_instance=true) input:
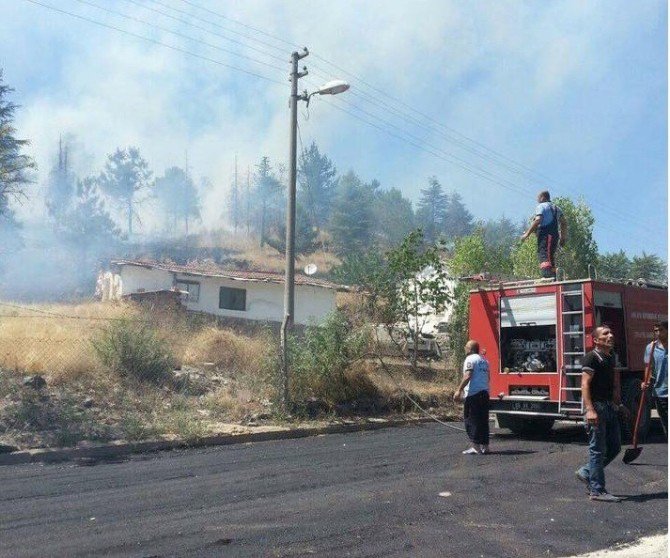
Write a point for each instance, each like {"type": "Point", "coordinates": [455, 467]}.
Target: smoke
{"type": "Point", "coordinates": [525, 80]}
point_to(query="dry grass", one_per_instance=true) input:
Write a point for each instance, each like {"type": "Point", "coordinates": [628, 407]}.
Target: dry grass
{"type": "Point", "coordinates": [229, 351]}
{"type": "Point", "coordinates": [54, 340]}
{"type": "Point", "coordinates": [265, 258]}
{"type": "Point", "coordinates": [237, 370]}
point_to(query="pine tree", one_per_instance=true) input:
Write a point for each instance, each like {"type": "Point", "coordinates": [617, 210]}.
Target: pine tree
{"type": "Point", "coordinates": [178, 197]}
{"type": "Point", "coordinates": [316, 185]}
{"type": "Point", "coordinates": [268, 193]}
{"type": "Point", "coordinates": [305, 234]}
{"type": "Point", "coordinates": [234, 203]}
{"type": "Point", "coordinates": [60, 185]}
{"type": "Point", "coordinates": [88, 221]}
{"type": "Point", "coordinates": [351, 221]}
{"type": "Point", "coordinates": [614, 265]}
{"type": "Point", "coordinates": [432, 211]}
{"type": "Point", "coordinates": [458, 220]}
{"type": "Point", "coordinates": [125, 175]}
{"type": "Point", "coordinates": [393, 218]}
{"type": "Point", "coordinates": [649, 267]}
{"type": "Point", "coordinates": [14, 165]}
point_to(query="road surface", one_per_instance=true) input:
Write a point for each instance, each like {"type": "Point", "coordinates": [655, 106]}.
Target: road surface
{"type": "Point", "coordinates": [392, 492]}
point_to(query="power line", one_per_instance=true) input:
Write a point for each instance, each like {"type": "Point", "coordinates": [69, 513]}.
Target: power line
{"type": "Point", "coordinates": [429, 149]}
{"type": "Point", "coordinates": [478, 171]}
{"type": "Point", "coordinates": [464, 163]}
{"type": "Point", "coordinates": [238, 22]}
{"type": "Point", "coordinates": [450, 134]}
{"type": "Point", "coordinates": [186, 22]}
{"type": "Point", "coordinates": [154, 41]}
{"type": "Point", "coordinates": [432, 151]}
{"type": "Point", "coordinates": [178, 34]}
{"type": "Point", "coordinates": [520, 171]}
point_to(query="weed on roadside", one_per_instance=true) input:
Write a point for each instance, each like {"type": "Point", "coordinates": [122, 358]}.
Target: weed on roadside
{"type": "Point", "coordinates": [135, 350]}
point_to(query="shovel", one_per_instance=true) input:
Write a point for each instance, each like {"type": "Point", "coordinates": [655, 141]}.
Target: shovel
{"type": "Point", "coordinates": [631, 454]}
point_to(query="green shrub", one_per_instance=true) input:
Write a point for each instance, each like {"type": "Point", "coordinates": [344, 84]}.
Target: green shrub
{"type": "Point", "coordinates": [321, 362]}
{"type": "Point", "coordinates": [458, 325]}
{"type": "Point", "coordinates": [135, 350]}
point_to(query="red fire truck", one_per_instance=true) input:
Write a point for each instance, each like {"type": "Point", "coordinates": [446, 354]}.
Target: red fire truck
{"type": "Point", "coordinates": [535, 334]}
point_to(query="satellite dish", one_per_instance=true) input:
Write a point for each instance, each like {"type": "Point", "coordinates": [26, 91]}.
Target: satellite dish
{"type": "Point", "coordinates": [310, 269]}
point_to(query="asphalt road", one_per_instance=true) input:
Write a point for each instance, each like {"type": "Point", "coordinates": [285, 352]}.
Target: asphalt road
{"type": "Point", "coordinates": [372, 493]}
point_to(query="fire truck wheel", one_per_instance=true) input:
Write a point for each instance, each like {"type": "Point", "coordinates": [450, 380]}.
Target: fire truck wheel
{"type": "Point", "coordinates": [525, 426]}
{"type": "Point", "coordinates": [630, 396]}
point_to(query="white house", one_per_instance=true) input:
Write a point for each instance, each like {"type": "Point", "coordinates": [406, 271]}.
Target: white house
{"type": "Point", "coordinates": [251, 295]}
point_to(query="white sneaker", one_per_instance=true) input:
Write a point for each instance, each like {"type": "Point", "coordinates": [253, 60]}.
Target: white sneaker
{"type": "Point", "coordinates": [470, 451]}
{"type": "Point", "coordinates": [484, 450]}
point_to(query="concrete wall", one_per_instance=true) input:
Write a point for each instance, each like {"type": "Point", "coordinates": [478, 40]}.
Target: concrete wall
{"type": "Point", "coordinates": [264, 301]}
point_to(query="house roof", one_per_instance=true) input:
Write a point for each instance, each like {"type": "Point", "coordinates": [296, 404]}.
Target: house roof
{"type": "Point", "coordinates": [210, 269]}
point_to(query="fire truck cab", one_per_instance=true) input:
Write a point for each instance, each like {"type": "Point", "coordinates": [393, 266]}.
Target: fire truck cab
{"type": "Point", "coordinates": [536, 332]}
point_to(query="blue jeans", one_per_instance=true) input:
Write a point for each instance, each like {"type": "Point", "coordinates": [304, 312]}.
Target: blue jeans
{"type": "Point", "coordinates": [604, 445]}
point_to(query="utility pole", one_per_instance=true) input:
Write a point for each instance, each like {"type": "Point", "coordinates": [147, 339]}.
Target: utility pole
{"type": "Point", "coordinates": [289, 276]}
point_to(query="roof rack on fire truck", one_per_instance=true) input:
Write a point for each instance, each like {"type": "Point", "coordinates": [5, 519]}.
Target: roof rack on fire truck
{"type": "Point", "coordinates": [485, 281]}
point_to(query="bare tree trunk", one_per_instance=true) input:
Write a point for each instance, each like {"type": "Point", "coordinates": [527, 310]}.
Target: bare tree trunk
{"type": "Point", "coordinates": [130, 217]}
{"type": "Point", "coordinates": [263, 225]}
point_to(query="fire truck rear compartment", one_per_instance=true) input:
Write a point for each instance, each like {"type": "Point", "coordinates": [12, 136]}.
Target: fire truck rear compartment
{"type": "Point", "coordinates": [537, 333]}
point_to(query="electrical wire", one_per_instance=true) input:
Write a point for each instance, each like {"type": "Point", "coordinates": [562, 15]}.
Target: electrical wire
{"type": "Point", "coordinates": [450, 157]}
{"type": "Point", "coordinates": [476, 148]}
{"type": "Point", "coordinates": [154, 41]}
{"type": "Point", "coordinates": [186, 22]}
{"type": "Point", "coordinates": [519, 169]}
{"type": "Point", "coordinates": [447, 158]}
{"type": "Point", "coordinates": [178, 34]}
{"type": "Point", "coordinates": [449, 134]}
{"type": "Point", "coordinates": [238, 22]}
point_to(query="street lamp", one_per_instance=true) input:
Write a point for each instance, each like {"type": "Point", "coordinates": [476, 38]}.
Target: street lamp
{"type": "Point", "coordinates": [333, 87]}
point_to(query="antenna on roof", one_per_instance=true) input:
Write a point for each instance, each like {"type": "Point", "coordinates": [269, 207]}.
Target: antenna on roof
{"type": "Point", "coordinates": [310, 269]}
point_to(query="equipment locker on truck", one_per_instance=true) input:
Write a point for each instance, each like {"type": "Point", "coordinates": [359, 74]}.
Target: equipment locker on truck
{"type": "Point", "coordinates": [536, 332]}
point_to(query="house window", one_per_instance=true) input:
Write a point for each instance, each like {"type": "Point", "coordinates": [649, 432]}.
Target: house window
{"type": "Point", "coordinates": [191, 287]}
{"type": "Point", "coordinates": [232, 299]}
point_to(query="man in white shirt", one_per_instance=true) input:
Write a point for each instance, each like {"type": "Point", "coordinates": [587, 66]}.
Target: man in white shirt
{"type": "Point", "coordinates": [474, 392]}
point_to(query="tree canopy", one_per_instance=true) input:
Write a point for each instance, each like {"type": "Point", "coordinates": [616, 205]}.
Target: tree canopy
{"type": "Point", "coordinates": [125, 174]}
{"type": "Point", "coordinates": [15, 166]}
{"type": "Point", "coordinates": [351, 222]}
{"type": "Point", "coordinates": [178, 197]}
{"type": "Point", "coordinates": [316, 185]}
{"type": "Point", "coordinates": [431, 211]}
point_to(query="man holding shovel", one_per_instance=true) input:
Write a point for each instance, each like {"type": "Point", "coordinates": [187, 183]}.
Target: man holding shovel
{"type": "Point", "coordinates": [659, 366]}
{"type": "Point", "coordinates": [601, 393]}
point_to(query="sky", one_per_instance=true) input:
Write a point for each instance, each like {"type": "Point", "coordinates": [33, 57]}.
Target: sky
{"type": "Point", "coordinates": [497, 99]}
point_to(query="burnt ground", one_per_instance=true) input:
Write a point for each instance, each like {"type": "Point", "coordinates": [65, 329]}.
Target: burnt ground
{"type": "Point", "coordinates": [363, 494]}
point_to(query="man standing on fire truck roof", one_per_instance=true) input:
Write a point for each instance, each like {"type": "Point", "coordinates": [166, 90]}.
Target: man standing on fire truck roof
{"type": "Point", "coordinates": [601, 392]}
{"type": "Point", "coordinates": [550, 225]}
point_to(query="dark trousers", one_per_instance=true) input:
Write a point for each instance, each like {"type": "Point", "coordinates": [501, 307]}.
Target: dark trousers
{"type": "Point", "coordinates": [476, 416]}
{"type": "Point", "coordinates": [662, 408]}
{"type": "Point", "coordinates": [547, 241]}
